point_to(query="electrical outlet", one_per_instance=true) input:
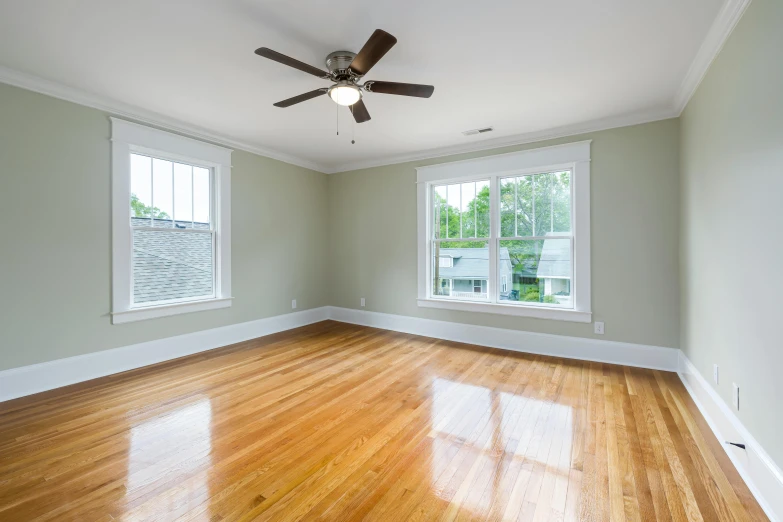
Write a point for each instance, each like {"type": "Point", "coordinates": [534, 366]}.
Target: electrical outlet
{"type": "Point", "coordinates": [735, 395]}
{"type": "Point", "coordinates": [362, 301]}
{"type": "Point", "coordinates": [293, 303]}
{"type": "Point", "coordinates": [715, 373]}
{"type": "Point", "coordinates": [599, 327]}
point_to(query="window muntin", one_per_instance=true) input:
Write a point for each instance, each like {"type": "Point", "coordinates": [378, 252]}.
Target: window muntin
{"type": "Point", "coordinates": [173, 236]}
{"type": "Point", "coordinates": [533, 254]}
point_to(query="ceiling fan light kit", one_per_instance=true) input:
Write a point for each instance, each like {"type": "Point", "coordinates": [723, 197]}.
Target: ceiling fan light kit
{"type": "Point", "coordinates": [346, 70]}
{"type": "Point", "coordinates": [345, 93]}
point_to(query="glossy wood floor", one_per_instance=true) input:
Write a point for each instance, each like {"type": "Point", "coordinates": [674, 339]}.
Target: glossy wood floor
{"type": "Point", "coordinates": [341, 422]}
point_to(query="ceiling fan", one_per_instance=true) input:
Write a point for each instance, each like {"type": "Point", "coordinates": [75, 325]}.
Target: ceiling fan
{"type": "Point", "coordinates": [346, 70]}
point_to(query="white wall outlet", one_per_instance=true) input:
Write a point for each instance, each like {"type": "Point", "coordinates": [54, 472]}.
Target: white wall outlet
{"type": "Point", "coordinates": [599, 327]}
{"type": "Point", "coordinates": [735, 395]}
{"type": "Point", "coordinates": [362, 301]}
{"type": "Point", "coordinates": [715, 373]}
{"type": "Point", "coordinates": [293, 303]}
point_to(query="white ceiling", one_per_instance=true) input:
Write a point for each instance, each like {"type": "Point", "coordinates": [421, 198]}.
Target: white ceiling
{"type": "Point", "coordinates": [522, 66]}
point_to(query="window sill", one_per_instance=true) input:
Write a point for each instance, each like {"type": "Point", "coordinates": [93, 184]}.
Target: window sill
{"type": "Point", "coordinates": [516, 310]}
{"type": "Point", "coordinates": [140, 314]}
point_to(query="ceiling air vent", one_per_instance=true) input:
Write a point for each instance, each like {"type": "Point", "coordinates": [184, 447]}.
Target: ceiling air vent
{"type": "Point", "coordinates": [477, 131]}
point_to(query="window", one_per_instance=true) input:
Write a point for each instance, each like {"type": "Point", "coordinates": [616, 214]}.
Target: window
{"type": "Point", "coordinates": [170, 224]}
{"type": "Point", "coordinates": [515, 225]}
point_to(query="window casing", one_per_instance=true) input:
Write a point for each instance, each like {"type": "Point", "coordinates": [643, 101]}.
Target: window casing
{"type": "Point", "coordinates": [533, 251]}
{"type": "Point", "coordinates": [171, 241]}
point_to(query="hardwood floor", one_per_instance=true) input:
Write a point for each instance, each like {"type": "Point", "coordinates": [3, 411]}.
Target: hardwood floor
{"type": "Point", "coordinates": [341, 422]}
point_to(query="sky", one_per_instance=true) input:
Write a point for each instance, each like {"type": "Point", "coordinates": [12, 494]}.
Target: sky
{"type": "Point", "coordinates": [185, 197]}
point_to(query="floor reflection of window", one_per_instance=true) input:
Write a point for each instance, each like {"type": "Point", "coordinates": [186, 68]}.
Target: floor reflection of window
{"type": "Point", "coordinates": [475, 428]}
{"type": "Point", "coordinates": [176, 444]}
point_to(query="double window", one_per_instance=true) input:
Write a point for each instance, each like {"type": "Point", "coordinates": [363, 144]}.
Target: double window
{"type": "Point", "coordinates": [171, 229]}
{"type": "Point", "coordinates": [515, 229]}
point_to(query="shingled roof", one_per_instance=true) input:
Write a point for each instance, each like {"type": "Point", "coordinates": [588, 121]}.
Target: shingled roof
{"type": "Point", "coordinates": [469, 263]}
{"type": "Point", "coordinates": [170, 265]}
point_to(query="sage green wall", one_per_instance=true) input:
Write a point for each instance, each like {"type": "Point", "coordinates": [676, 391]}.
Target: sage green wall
{"type": "Point", "coordinates": [55, 236]}
{"type": "Point", "coordinates": [732, 201]}
{"type": "Point", "coordinates": [634, 229]}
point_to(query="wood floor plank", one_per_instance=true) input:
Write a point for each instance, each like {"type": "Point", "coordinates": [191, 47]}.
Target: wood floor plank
{"type": "Point", "coordinates": [342, 422]}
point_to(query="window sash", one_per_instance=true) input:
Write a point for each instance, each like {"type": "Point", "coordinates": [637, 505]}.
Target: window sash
{"type": "Point", "coordinates": [172, 158]}
{"type": "Point", "coordinates": [531, 174]}
{"type": "Point", "coordinates": [435, 230]}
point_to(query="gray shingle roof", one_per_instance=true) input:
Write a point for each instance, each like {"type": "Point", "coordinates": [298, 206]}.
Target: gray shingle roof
{"type": "Point", "coordinates": [469, 263]}
{"type": "Point", "coordinates": [555, 260]}
{"type": "Point", "coordinates": [170, 265]}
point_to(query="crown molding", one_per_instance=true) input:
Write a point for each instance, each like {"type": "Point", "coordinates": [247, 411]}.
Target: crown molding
{"type": "Point", "coordinates": [517, 139]}
{"type": "Point", "coordinates": [117, 108]}
{"type": "Point", "coordinates": [124, 110]}
{"type": "Point", "coordinates": [719, 32]}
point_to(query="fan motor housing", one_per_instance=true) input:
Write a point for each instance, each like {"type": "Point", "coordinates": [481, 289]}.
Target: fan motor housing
{"type": "Point", "coordinates": [339, 61]}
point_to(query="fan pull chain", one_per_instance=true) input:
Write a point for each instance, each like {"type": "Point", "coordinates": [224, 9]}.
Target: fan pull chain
{"type": "Point", "coordinates": [337, 114]}
{"type": "Point", "coordinates": [353, 128]}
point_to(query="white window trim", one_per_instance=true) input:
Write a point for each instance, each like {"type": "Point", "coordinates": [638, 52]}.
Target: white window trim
{"type": "Point", "coordinates": [574, 156]}
{"type": "Point", "coordinates": [130, 137]}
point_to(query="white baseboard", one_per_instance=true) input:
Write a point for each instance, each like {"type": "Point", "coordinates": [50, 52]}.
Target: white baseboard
{"type": "Point", "coordinates": [763, 477]}
{"type": "Point", "coordinates": [27, 380]}
{"type": "Point", "coordinates": [629, 354]}
{"type": "Point", "coordinates": [36, 378]}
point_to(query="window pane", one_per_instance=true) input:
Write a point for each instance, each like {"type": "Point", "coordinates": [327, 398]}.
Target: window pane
{"type": "Point", "coordinates": [162, 199]}
{"type": "Point", "coordinates": [466, 277]}
{"type": "Point", "coordinates": [468, 209]}
{"type": "Point", "coordinates": [201, 199]}
{"type": "Point", "coordinates": [482, 208]}
{"type": "Point", "coordinates": [453, 211]}
{"type": "Point", "coordinates": [183, 194]}
{"type": "Point", "coordinates": [507, 207]}
{"type": "Point", "coordinates": [539, 271]}
{"type": "Point", "coordinates": [439, 213]}
{"type": "Point", "coordinates": [542, 203]}
{"type": "Point", "coordinates": [171, 265]}
{"type": "Point", "coordinates": [141, 190]}
{"type": "Point", "coordinates": [561, 197]}
{"type": "Point", "coordinates": [524, 205]}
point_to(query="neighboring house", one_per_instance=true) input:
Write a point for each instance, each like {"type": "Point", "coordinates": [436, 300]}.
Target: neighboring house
{"type": "Point", "coordinates": [551, 272]}
{"type": "Point", "coordinates": [463, 272]}
{"type": "Point", "coordinates": [170, 265]}
{"type": "Point", "coordinates": [554, 267]}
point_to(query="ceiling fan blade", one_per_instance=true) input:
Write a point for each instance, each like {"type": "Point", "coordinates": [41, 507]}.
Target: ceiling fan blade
{"type": "Point", "coordinates": [401, 89]}
{"type": "Point", "coordinates": [302, 97]}
{"type": "Point", "coordinates": [379, 44]}
{"type": "Point", "coordinates": [291, 62]}
{"type": "Point", "coordinates": [359, 111]}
